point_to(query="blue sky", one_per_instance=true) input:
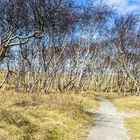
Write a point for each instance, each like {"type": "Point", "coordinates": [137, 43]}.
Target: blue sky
{"type": "Point", "coordinates": [123, 6]}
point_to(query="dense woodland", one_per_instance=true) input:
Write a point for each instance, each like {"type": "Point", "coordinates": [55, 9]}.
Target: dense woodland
{"type": "Point", "coordinates": [64, 46]}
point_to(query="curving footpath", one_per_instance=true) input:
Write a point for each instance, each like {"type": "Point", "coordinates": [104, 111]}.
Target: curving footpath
{"type": "Point", "coordinates": [109, 124]}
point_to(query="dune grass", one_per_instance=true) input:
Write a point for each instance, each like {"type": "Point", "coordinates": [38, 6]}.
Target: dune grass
{"type": "Point", "coordinates": [45, 117]}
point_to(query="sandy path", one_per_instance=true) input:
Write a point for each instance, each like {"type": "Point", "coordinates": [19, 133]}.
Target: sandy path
{"type": "Point", "coordinates": [109, 124]}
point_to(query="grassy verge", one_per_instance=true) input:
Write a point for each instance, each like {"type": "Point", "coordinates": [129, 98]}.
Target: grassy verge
{"type": "Point", "coordinates": [129, 104]}
{"type": "Point", "coordinates": [45, 117]}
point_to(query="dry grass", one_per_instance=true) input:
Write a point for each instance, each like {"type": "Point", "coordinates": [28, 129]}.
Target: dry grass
{"type": "Point", "coordinates": [45, 117]}
{"type": "Point", "coordinates": [133, 125]}
{"type": "Point", "coordinates": [129, 104]}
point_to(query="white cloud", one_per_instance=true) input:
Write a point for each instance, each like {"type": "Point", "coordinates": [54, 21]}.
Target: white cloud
{"type": "Point", "coordinates": [123, 6]}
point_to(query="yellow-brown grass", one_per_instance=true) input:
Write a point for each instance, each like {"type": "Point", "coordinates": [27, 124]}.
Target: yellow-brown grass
{"type": "Point", "coordinates": [45, 117]}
